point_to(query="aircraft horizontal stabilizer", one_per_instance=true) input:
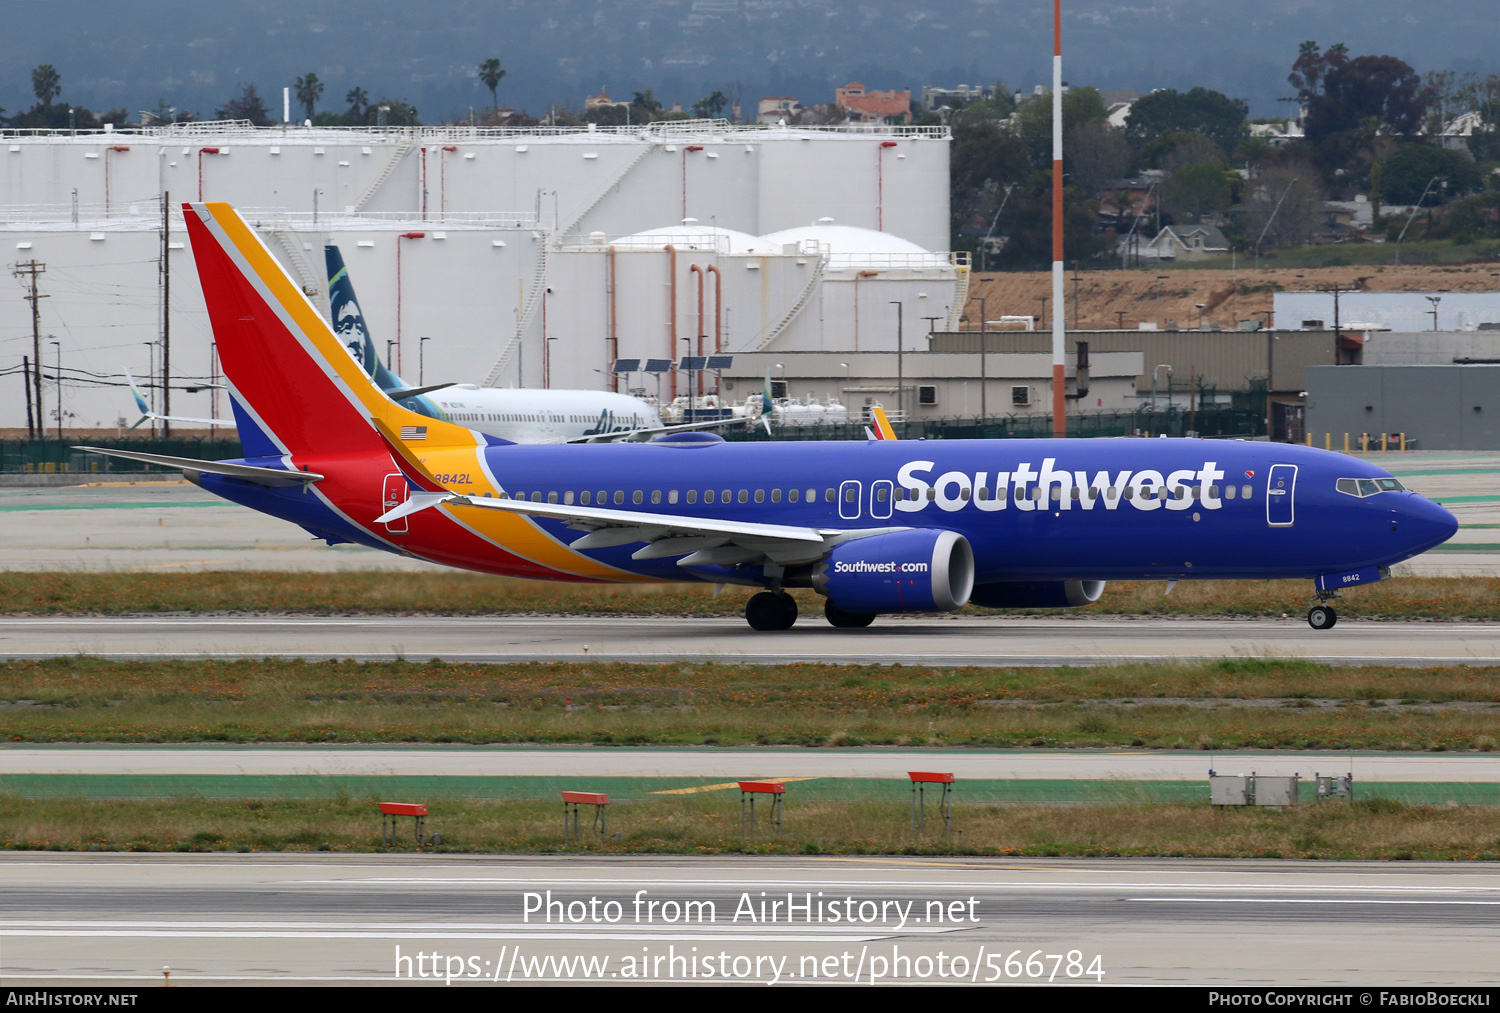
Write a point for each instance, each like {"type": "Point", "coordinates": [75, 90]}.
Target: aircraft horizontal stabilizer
{"type": "Point", "coordinates": [247, 472]}
{"type": "Point", "coordinates": [402, 393]}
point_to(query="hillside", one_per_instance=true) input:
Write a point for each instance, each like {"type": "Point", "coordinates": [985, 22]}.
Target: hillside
{"type": "Point", "coordinates": [1109, 299]}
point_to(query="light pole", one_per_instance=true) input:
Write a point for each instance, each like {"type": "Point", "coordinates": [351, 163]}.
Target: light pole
{"type": "Point", "coordinates": [1434, 299]}
{"type": "Point", "coordinates": [1158, 369]}
{"type": "Point", "coordinates": [1271, 219]}
{"type": "Point", "coordinates": [1415, 207]}
{"type": "Point", "coordinates": [389, 344]}
{"type": "Point", "coordinates": [58, 347]}
{"type": "Point", "coordinates": [900, 367]}
{"type": "Point", "coordinates": [984, 328]}
{"type": "Point", "coordinates": [422, 360]}
{"type": "Point", "coordinates": [1159, 278]}
{"type": "Point", "coordinates": [150, 379]}
{"type": "Point", "coordinates": [1200, 314]}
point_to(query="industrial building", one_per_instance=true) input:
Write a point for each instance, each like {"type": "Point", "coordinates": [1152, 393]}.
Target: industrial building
{"type": "Point", "coordinates": [1389, 311]}
{"type": "Point", "coordinates": [521, 256]}
{"type": "Point", "coordinates": [1436, 407]}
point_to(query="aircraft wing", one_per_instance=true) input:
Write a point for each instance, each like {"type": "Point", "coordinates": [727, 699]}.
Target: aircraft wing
{"type": "Point", "coordinates": [248, 472]}
{"type": "Point", "coordinates": [637, 434]}
{"type": "Point", "coordinates": [701, 541]}
{"type": "Point", "coordinates": [147, 415]}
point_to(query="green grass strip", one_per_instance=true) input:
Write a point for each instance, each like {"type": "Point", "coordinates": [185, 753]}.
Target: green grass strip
{"type": "Point", "coordinates": [620, 789]}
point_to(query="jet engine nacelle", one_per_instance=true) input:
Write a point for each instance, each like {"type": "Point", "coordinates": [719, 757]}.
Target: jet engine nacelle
{"type": "Point", "coordinates": [921, 570]}
{"type": "Point", "coordinates": [1037, 594]}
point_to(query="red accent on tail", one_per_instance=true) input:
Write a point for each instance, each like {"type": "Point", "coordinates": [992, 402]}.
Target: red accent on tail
{"type": "Point", "coordinates": [270, 368]}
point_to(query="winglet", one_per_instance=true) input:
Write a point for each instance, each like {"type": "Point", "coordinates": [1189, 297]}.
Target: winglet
{"type": "Point", "coordinates": [415, 471]}
{"type": "Point", "coordinates": [140, 399]}
{"type": "Point", "coordinates": [883, 430]}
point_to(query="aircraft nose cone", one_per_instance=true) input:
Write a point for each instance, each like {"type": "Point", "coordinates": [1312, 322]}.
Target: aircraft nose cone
{"type": "Point", "coordinates": [1424, 523]}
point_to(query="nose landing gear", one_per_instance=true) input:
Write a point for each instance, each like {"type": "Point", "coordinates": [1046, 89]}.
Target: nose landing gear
{"type": "Point", "coordinates": [1322, 615]}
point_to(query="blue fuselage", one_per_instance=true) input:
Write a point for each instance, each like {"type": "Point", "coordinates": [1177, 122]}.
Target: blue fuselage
{"type": "Point", "coordinates": [1030, 509]}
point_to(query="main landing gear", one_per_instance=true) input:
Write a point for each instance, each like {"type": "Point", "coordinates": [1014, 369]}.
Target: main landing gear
{"type": "Point", "coordinates": [846, 620]}
{"type": "Point", "coordinates": [771, 610]}
{"type": "Point", "coordinates": [1322, 616]}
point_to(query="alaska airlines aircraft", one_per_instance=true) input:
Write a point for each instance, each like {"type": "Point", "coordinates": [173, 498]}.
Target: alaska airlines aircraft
{"type": "Point", "coordinates": [880, 526]}
{"type": "Point", "coordinates": [517, 415]}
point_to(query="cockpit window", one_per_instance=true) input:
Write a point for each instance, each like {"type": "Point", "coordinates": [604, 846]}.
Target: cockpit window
{"type": "Point", "coordinates": [1361, 487]}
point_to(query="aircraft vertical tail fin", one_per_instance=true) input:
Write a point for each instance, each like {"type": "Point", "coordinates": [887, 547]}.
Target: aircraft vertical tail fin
{"type": "Point", "coordinates": [296, 388]}
{"type": "Point", "coordinates": [883, 429]}
{"type": "Point", "coordinates": [349, 321]}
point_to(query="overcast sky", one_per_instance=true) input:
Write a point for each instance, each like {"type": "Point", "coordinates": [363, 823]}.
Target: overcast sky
{"type": "Point", "coordinates": [193, 54]}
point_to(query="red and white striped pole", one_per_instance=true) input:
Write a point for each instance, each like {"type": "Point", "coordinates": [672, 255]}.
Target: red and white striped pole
{"type": "Point", "coordinates": [1059, 360]}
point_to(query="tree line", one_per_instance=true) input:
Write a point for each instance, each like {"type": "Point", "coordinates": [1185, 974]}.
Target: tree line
{"type": "Point", "coordinates": [1369, 125]}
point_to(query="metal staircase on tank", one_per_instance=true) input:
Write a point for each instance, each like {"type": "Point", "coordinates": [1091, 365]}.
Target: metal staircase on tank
{"type": "Point", "coordinates": [533, 299]}
{"type": "Point", "coordinates": [961, 290]}
{"type": "Point", "coordinates": [402, 150]}
{"type": "Point", "coordinates": [311, 278]}
{"type": "Point", "coordinates": [564, 227]}
{"type": "Point", "coordinates": [812, 286]}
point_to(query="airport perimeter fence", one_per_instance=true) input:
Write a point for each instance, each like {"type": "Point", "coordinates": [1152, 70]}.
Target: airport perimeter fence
{"type": "Point", "coordinates": [52, 456]}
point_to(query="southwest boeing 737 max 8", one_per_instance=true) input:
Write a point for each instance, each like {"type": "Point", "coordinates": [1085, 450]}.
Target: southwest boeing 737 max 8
{"type": "Point", "coordinates": [880, 526]}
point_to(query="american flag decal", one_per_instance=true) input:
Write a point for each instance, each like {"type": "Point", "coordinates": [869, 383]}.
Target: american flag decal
{"type": "Point", "coordinates": [414, 432]}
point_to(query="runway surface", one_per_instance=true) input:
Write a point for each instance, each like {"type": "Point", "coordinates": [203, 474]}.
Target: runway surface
{"type": "Point", "coordinates": [335, 919]}
{"type": "Point", "coordinates": [499, 761]}
{"type": "Point", "coordinates": [907, 641]}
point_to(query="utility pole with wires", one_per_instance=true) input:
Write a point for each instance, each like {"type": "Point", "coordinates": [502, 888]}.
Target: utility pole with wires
{"type": "Point", "coordinates": [32, 268]}
{"type": "Point", "coordinates": [26, 383]}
